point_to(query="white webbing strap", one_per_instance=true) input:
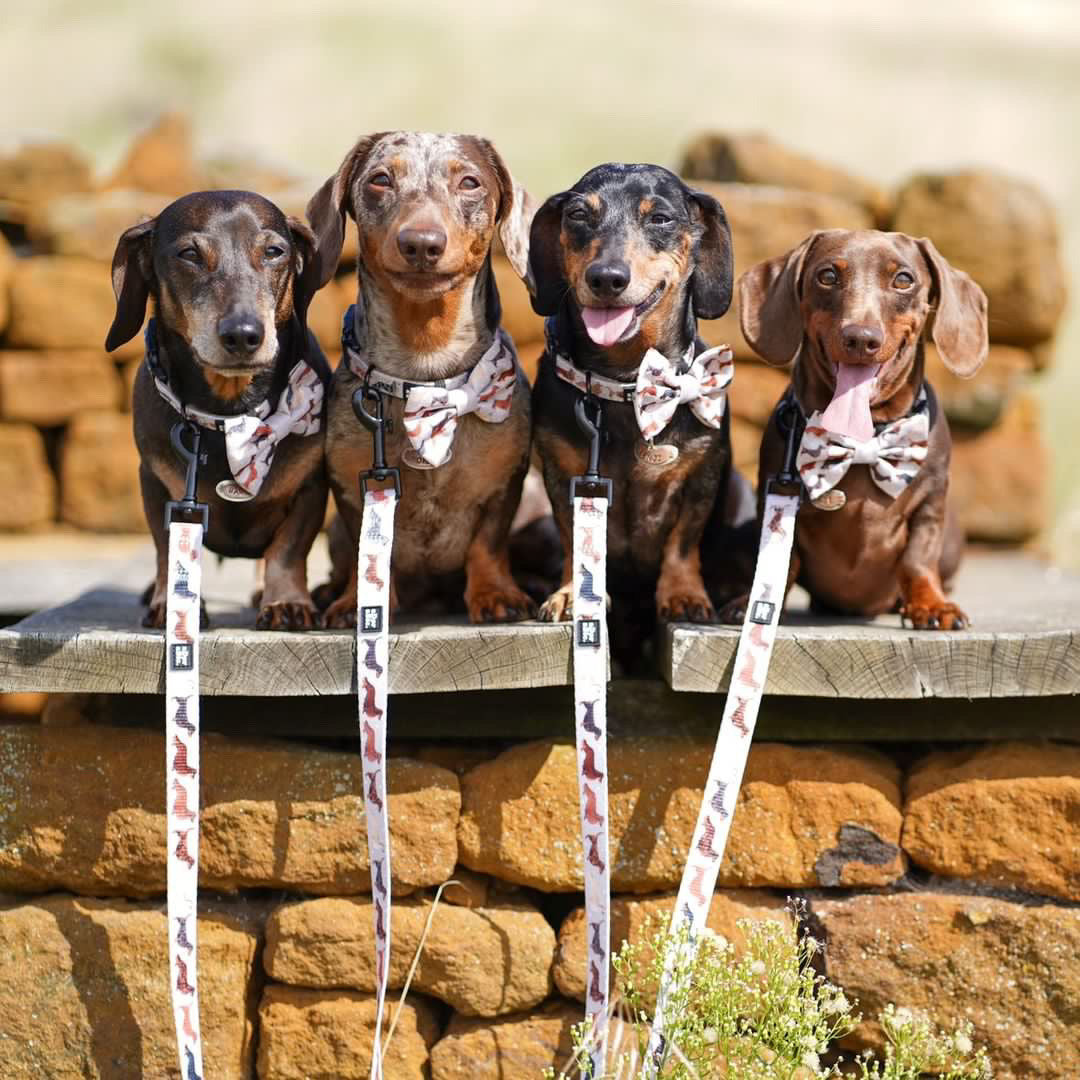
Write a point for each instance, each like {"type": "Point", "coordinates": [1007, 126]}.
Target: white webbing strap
{"type": "Point", "coordinates": [590, 711]}
{"type": "Point", "coordinates": [729, 758]}
{"type": "Point", "coordinates": [182, 787]}
{"type": "Point", "coordinates": [372, 682]}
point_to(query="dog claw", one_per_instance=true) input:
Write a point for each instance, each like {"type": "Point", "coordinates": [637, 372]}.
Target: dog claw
{"type": "Point", "coordinates": [946, 617]}
{"type": "Point", "coordinates": [288, 616]}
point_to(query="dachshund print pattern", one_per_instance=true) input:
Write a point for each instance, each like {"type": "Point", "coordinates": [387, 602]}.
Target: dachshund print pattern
{"type": "Point", "coordinates": [590, 709]}
{"type": "Point", "coordinates": [182, 787]}
{"type": "Point", "coordinates": [732, 746]}
{"type": "Point", "coordinates": [372, 678]}
{"type": "Point", "coordinates": [662, 387]}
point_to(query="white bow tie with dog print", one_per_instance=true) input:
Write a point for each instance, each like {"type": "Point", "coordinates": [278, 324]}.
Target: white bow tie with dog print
{"type": "Point", "coordinates": [661, 388]}
{"type": "Point", "coordinates": [895, 454]}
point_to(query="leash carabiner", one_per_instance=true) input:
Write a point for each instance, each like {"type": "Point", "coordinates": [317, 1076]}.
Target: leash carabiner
{"type": "Point", "coordinates": [188, 509]}
{"type": "Point", "coordinates": [377, 424]}
{"type": "Point", "coordinates": [790, 421]}
{"type": "Point", "coordinates": [592, 484]}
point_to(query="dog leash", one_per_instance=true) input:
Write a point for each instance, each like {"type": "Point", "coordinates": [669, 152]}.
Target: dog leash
{"type": "Point", "coordinates": [186, 521]}
{"type": "Point", "coordinates": [752, 658]}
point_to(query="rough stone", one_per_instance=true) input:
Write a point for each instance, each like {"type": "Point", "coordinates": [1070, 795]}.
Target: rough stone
{"type": "Point", "coordinates": [529, 354]}
{"type": "Point", "coordinates": [83, 808]}
{"type": "Point", "coordinates": [482, 961]}
{"type": "Point", "coordinates": [979, 402]}
{"type": "Point", "coordinates": [161, 160]}
{"type": "Point", "coordinates": [99, 474]}
{"type": "Point", "coordinates": [755, 392]}
{"type": "Point", "coordinates": [468, 889]}
{"type": "Point", "coordinates": [746, 447]}
{"type": "Point", "coordinates": [7, 269]}
{"type": "Point", "coordinates": [24, 468]}
{"type": "Point", "coordinates": [1000, 478]}
{"type": "Point", "coordinates": [1006, 815]}
{"type": "Point", "coordinates": [630, 921]}
{"type": "Point", "coordinates": [50, 387]}
{"type": "Point", "coordinates": [85, 992]}
{"type": "Point", "coordinates": [1008, 968]}
{"type": "Point", "coordinates": [328, 309]}
{"type": "Point", "coordinates": [1004, 233]}
{"type": "Point", "coordinates": [806, 816]}
{"type": "Point", "coordinates": [38, 171]}
{"type": "Point", "coordinates": [518, 318]}
{"type": "Point", "coordinates": [328, 1035]}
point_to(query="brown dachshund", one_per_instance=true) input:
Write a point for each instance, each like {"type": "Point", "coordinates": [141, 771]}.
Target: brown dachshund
{"type": "Point", "coordinates": [427, 208]}
{"type": "Point", "coordinates": [875, 533]}
{"type": "Point", "coordinates": [231, 278]}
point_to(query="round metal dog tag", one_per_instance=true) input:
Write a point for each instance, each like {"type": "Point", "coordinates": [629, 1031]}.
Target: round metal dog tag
{"type": "Point", "coordinates": [416, 461]}
{"type": "Point", "coordinates": [831, 500]}
{"type": "Point", "coordinates": [231, 491]}
{"type": "Point", "coordinates": [648, 454]}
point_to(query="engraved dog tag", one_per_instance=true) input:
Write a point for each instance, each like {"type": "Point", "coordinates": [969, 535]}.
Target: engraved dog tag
{"type": "Point", "coordinates": [231, 491]}
{"type": "Point", "coordinates": [648, 454]}
{"type": "Point", "coordinates": [831, 500]}
{"type": "Point", "coordinates": [417, 461]}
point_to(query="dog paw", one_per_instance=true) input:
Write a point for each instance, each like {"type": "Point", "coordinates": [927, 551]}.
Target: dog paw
{"type": "Point", "coordinates": [943, 616]}
{"type": "Point", "coordinates": [499, 605]}
{"type": "Point", "coordinates": [734, 611]}
{"type": "Point", "coordinates": [559, 606]}
{"type": "Point", "coordinates": [322, 596]}
{"type": "Point", "coordinates": [290, 615]}
{"type": "Point", "coordinates": [341, 614]}
{"type": "Point", "coordinates": [685, 607]}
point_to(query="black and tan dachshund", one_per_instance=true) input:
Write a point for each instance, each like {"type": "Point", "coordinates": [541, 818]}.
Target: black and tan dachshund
{"type": "Point", "coordinates": [231, 279]}
{"type": "Point", "coordinates": [625, 262]}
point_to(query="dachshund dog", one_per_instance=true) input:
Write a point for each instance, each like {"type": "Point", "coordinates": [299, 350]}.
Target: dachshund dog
{"type": "Point", "coordinates": [623, 264]}
{"type": "Point", "coordinates": [231, 279]}
{"type": "Point", "coordinates": [876, 532]}
{"type": "Point", "coordinates": [425, 332]}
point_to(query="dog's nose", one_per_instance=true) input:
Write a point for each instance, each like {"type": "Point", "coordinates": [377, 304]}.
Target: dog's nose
{"type": "Point", "coordinates": [607, 279]}
{"type": "Point", "coordinates": [241, 333]}
{"type": "Point", "coordinates": [861, 340]}
{"type": "Point", "coordinates": [421, 248]}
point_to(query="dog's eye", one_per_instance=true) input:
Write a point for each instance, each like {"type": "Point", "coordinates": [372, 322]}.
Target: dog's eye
{"type": "Point", "coordinates": [659, 219]}
{"type": "Point", "coordinates": [274, 252]}
{"type": "Point", "coordinates": [903, 280]}
{"type": "Point", "coordinates": [379, 180]}
{"type": "Point", "coordinates": [828, 276]}
{"type": "Point", "coordinates": [468, 183]}
{"type": "Point", "coordinates": [579, 213]}
{"type": "Point", "coordinates": [189, 254]}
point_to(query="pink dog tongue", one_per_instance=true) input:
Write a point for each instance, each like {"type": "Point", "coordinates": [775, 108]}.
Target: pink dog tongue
{"type": "Point", "coordinates": [606, 325]}
{"type": "Point", "coordinates": [849, 411]}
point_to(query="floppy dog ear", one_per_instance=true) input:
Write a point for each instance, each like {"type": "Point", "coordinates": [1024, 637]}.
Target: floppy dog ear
{"type": "Point", "coordinates": [544, 277]}
{"type": "Point", "coordinates": [959, 318]}
{"type": "Point", "coordinates": [515, 214]}
{"type": "Point", "coordinates": [328, 206]}
{"type": "Point", "coordinates": [132, 271]}
{"type": "Point", "coordinates": [714, 269]}
{"type": "Point", "coordinates": [769, 297]}
{"type": "Point", "coordinates": [306, 268]}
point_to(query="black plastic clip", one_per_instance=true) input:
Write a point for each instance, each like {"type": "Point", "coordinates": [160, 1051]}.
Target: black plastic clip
{"type": "Point", "coordinates": [377, 424]}
{"type": "Point", "coordinates": [592, 485]}
{"type": "Point", "coordinates": [188, 509]}
{"type": "Point", "coordinates": [790, 421]}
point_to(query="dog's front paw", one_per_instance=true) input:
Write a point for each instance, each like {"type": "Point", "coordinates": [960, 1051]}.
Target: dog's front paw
{"type": "Point", "coordinates": [934, 616]}
{"type": "Point", "coordinates": [322, 596]}
{"type": "Point", "coordinates": [289, 615]}
{"type": "Point", "coordinates": [559, 606]}
{"type": "Point", "coordinates": [685, 606]}
{"type": "Point", "coordinates": [734, 611]}
{"type": "Point", "coordinates": [499, 604]}
{"type": "Point", "coordinates": [341, 614]}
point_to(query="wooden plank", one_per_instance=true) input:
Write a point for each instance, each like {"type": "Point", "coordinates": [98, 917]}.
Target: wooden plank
{"type": "Point", "coordinates": [1025, 643]}
{"type": "Point", "coordinates": [95, 645]}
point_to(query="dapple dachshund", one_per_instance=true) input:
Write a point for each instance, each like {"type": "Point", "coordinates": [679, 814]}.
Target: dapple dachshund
{"type": "Point", "coordinates": [426, 319]}
{"type": "Point", "coordinates": [231, 278]}
{"type": "Point", "coordinates": [623, 264]}
{"type": "Point", "coordinates": [876, 532]}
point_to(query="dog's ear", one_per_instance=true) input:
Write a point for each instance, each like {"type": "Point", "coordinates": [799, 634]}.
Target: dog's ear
{"type": "Point", "coordinates": [544, 278]}
{"type": "Point", "coordinates": [769, 298]}
{"type": "Point", "coordinates": [306, 269]}
{"type": "Point", "coordinates": [714, 267]}
{"type": "Point", "coordinates": [959, 316]}
{"type": "Point", "coordinates": [132, 272]}
{"type": "Point", "coordinates": [328, 206]}
{"type": "Point", "coordinates": [515, 214]}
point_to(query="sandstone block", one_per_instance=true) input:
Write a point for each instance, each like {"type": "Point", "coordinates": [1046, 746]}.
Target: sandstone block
{"type": "Point", "coordinates": [518, 318]}
{"type": "Point", "coordinates": [50, 387]}
{"type": "Point", "coordinates": [1006, 814]}
{"type": "Point", "coordinates": [483, 961]}
{"type": "Point", "coordinates": [85, 992]}
{"type": "Point", "coordinates": [1009, 969]}
{"type": "Point", "coordinates": [529, 354]}
{"type": "Point", "coordinates": [979, 402]}
{"type": "Point", "coordinates": [328, 1035]}
{"type": "Point", "coordinates": [7, 269]}
{"type": "Point", "coordinates": [36, 172]}
{"type": "Point", "coordinates": [806, 816]}
{"type": "Point", "coordinates": [328, 309]}
{"type": "Point", "coordinates": [161, 160]}
{"type": "Point", "coordinates": [746, 447]}
{"type": "Point", "coordinates": [99, 474]}
{"type": "Point", "coordinates": [25, 468]}
{"type": "Point", "coordinates": [90, 815]}
{"type": "Point", "coordinates": [755, 392]}
{"type": "Point", "coordinates": [1004, 233]}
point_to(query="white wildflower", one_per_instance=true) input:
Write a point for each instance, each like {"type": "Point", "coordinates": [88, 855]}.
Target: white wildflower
{"type": "Point", "coordinates": [709, 1035]}
{"type": "Point", "coordinates": [962, 1043]}
{"type": "Point", "coordinates": [811, 1061]}
{"type": "Point", "coordinates": [757, 967]}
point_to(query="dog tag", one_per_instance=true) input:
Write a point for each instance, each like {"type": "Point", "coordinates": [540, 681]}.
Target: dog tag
{"type": "Point", "coordinates": [417, 461]}
{"type": "Point", "coordinates": [231, 491]}
{"type": "Point", "coordinates": [648, 454]}
{"type": "Point", "coordinates": [831, 500]}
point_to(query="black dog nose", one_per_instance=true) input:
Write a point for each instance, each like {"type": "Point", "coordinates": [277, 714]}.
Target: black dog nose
{"type": "Point", "coordinates": [240, 333]}
{"type": "Point", "coordinates": [607, 279]}
{"type": "Point", "coordinates": [861, 340]}
{"type": "Point", "coordinates": [421, 248]}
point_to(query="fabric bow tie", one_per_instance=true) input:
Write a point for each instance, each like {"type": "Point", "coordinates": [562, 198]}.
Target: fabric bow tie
{"type": "Point", "coordinates": [431, 412]}
{"type": "Point", "coordinates": [661, 389]}
{"type": "Point", "coordinates": [250, 441]}
{"type": "Point", "coordinates": [895, 454]}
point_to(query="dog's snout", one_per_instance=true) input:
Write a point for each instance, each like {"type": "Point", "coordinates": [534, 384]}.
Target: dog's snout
{"type": "Point", "coordinates": [422, 248]}
{"type": "Point", "coordinates": [607, 279]}
{"type": "Point", "coordinates": [241, 332]}
{"type": "Point", "coordinates": [861, 340]}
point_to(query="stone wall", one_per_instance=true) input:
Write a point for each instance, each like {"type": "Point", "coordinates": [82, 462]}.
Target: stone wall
{"type": "Point", "coordinates": [947, 880]}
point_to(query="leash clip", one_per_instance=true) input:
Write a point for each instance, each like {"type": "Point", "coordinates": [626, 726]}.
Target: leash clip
{"type": "Point", "coordinates": [378, 425]}
{"type": "Point", "coordinates": [592, 485]}
{"type": "Point", "coordinates": [782, 483]}
{"type": "Point", "coordinates": [188, 509]}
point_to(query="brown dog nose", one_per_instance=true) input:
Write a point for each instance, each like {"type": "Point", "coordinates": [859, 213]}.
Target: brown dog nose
{"type": "Point", "coordinates": [607, 279]}
{"type": "Point", "coordinates": [240, 332]}
{"type": "Point", "coordinates": [861, 340]}
{"type": "Point", "coordinates": [421, 248]}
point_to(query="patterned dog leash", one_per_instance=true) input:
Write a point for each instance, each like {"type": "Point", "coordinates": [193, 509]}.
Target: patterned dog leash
{"type": "Point", "coordinates": [186, 521]}
{"type": "Point", "coordinates": [745, 691]}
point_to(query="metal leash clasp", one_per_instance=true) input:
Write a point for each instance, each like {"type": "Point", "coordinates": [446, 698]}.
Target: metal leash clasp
{"type": "Point", "coordinates": [592, 485]}
{"type": "Point", "coordinates": [377, 424]}
{"type": "Point", "coordinates": [188, 509]}
{"type": "Point", "coordinates": [788, 479]}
